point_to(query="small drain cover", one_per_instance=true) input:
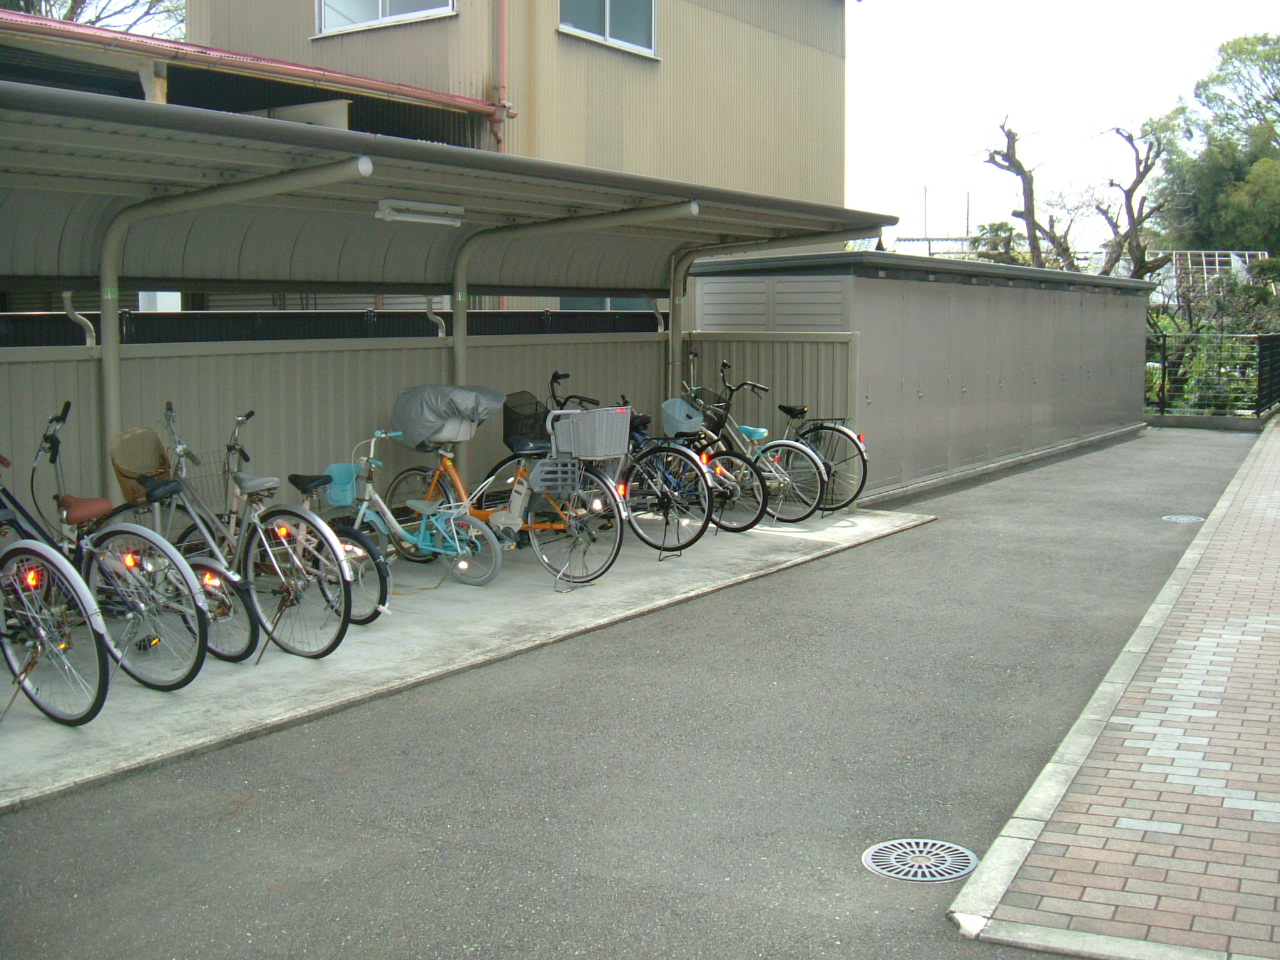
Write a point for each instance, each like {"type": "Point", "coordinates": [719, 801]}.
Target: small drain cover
{"type": "Point", "coordinates": [922, 861]}
{"type": "Point", "coordinates": [1183, 518]}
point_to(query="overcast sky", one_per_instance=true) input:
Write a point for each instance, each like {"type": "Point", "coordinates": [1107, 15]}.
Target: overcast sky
{"type": "Point", "coordinates": [930, 81]}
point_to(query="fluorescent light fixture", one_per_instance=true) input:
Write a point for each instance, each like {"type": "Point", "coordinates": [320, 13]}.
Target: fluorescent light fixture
{"type": "Point", "coordinates": [410, 210]}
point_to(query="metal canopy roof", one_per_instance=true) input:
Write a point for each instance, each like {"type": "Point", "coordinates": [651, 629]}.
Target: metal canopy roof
{"type": "Point", "coordinates": [70, 162]}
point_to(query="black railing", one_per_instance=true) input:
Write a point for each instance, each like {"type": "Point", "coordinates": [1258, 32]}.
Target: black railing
{"type": "Point", "coordinates": [1213, 374]}
{"type": "Point", "coordinates": [54, 329]}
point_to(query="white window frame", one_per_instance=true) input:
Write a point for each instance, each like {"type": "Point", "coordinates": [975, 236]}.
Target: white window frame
{"type": "Point", "coordinates": [444, 8]}
{"type": "Point", "coordinates": [614, 41]}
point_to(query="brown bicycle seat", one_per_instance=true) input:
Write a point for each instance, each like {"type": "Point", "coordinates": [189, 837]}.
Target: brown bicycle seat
{"type": "Point", "coordinates": [83, 509]}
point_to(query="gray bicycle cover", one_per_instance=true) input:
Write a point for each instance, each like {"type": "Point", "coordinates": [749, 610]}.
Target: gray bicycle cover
{"type": "Point", "coordinates": [420, 412]}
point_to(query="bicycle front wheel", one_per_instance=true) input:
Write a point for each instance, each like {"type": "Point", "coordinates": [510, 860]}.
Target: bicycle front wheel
{"type": "Point", "coordinates": [474, 556]}
{"type": "Point", "coordinates": [157, 624]}
{"type": "Point", "coordinates": [577, 537]}
{"type": "Point", "coordinates": [371, 577]}
{"type": "Point", "coordinates": [668, 498]}
{"type": "Point", "coordinates": [233, 625]}
{"type": "Point", "coordinates": [738, 492]}
{"type": "Point", "coordinates": [794, 477]}
{"type": "Point", "coordinates": [299, 593]}
{"type": "Point", "coordinates": [845, 462]}
{"type": "Point", "coordinates": [54, 648]}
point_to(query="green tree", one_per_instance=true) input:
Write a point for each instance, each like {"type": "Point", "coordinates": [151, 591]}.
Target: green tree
{"type": "Point", "coordinates": [1243, 93]}
{"type": "Point", "coordinates": [999, 243]}
{"type": "Point", "coordinates": [161, 18]}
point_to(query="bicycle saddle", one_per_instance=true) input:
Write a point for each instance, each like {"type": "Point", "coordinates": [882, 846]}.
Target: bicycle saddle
{"type": "Point", "coordinates": [248, 483]}
{"type": "Point", "coordinates": [158, 490]}
{"type": "Point", "coordinates": [304, 483]}
{"type": "Point", "coordinates": [794, 412]}
{"type": "Point", "coordinates": [83, 509]}
{"type": "Point", "coordinates": [754, 433]}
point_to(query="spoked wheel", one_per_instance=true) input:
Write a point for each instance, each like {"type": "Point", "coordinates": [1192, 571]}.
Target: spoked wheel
{"type": "Point", "coordinates": [794, 477]}
{"type": "Point", "coordinates": [474, 556]}
{"type": "Point", "coordinates": [577, 536]}
{"type": "Point", "coordinates": [300, 595]}
{"type": "Point", "coordinates": [844, 459]}
{"type": "Point", "coordinates": [371, 577]}
{"type": "Point", "coordinates": [157, 625]}
{"type": "Point", "coordinates": [738, 492]}
{"type": "Point", "coordinates": [668, 498]}
{"type": "Point", "coordinates": [233, 625]}
{"type": "Point", "coordinates": [51, 642]}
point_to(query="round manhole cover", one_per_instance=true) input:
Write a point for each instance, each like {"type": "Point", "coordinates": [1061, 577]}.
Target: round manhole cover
{"type": "Point", "coordinates": [922, 861]}
{"type": "Point", "coordinates": [1183, 518]}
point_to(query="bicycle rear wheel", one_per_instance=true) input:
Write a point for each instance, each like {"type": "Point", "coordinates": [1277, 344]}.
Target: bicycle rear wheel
{"type": "Point", "coordinates": [233, 625]}
{"type": "Point", "coordinates": [478, 553]}
{"type": "Point", "coordinates": [794, 477]}
{"type": "Point", "coordinates": [577, 537]}
{"type": "Point", "coordinates": [668, 498]}
{"type": "Point", "coordinates": [416, 483]}
{"type": "Point", "coordinates": [738, 492]}
{"type": "Point", "coordinates": [302, 599]}
{"type": "Point", "coordinates": [52, 634]}
{"type": "Point", "coordinates": [154, 609]}
{"type": "Point", "coordinates": [371, 577]}
{"type": "Point", "coordinates": [844, 459]}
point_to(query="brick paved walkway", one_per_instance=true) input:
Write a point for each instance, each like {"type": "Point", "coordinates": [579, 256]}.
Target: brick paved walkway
{"type": "Point", "coordinates": [1155, 830]}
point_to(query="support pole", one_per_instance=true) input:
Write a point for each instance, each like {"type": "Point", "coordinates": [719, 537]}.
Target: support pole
{"type": "Point", "coordinates": [113, 254]}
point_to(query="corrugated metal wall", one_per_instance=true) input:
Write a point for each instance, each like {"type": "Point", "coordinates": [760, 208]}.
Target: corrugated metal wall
{"type": "Point", "coordinates": [956, 376]}
{"type": "Point", "coordinates": [314, 401]}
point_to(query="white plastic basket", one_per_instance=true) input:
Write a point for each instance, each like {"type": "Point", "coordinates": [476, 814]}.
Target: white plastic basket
{"type": "Point", "coordinates": [679, 416]}
{"type": "Point", "coordinates": [602, 434]}
{"type": "Point", "coordinates": [454, 430]}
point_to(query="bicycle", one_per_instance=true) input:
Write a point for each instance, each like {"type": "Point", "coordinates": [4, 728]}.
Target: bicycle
{"type": "Point", "coordinates": [52, 633]}
{"type": "Point", "coordinates": [295, 569]}
{"type": "Point", "coordinates": [151, 603]}
{"type": "Point", "coordinates": [547, 494]}
{"type": "Point", "coordinates": [795, 476]}
{"type": "Point", "coordinates": [156, 494]}
{"type": "Point", "coordinates": [843, 453]}
{"type": "Point", "coordinates": [664, 488]}
{"type": "Point", "coordinates": [425, 525]}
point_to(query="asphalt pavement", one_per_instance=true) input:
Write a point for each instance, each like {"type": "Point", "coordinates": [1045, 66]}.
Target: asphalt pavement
{"type": "Point", "coordinates": [699, 781]}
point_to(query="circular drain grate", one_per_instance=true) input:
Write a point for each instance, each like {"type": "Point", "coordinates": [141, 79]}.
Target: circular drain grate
{"type": "Point", "coordinates": [1183, 518]}
{"type": "Point", "coordinates": [922, 861]}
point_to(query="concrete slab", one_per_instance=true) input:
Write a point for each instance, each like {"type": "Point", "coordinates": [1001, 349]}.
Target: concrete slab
{"type": "Point", "coordinates": [434, 629]}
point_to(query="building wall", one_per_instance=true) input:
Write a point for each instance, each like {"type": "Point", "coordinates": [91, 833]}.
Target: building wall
{"type": "Point", "coordinates": [954, 376]}
{"type": "Point", "coordinates": [742, 94]}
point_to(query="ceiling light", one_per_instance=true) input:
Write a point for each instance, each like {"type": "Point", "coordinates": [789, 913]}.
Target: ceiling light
{"type": "Point", "coordinates": [412, 211]}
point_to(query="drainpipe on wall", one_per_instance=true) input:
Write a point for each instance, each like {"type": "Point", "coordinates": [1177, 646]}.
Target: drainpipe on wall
{"type": "Point", "coordinates": [681, 262]}
{"type": "Point", "coordinates": [90, 337]}
{"type": "Point", "coordinates": [502, 110]}
{"type": "Point", "coordinates": [113, 254]}
{"type": "Point", "coordinates": [436, 319]}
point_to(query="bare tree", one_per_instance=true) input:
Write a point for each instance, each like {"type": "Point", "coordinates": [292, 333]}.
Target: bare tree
{"type": "Point", "coordinates": [157, 17]}
{"type": "Point", "coordinates": [1007, 160]}
{"type": "Point", "coordinates": [1127, 222]}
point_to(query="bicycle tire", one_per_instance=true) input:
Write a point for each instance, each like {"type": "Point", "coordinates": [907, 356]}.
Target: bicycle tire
{"type": "Point", "coordinates": [345, 516]}
{"type": "Point", "coordinates": [794, 477]}
{"type": "Point", "coordinates": [416, 483]}
{"type": "Point", "coordinates": [174, 518]}
{"type": "Point", "coordinates": [370, 574]}
{"type": "Point", "coordinates": [479, 554]}
{"type": "Point", "coordinates": [299, 592]}
{"type": "Point", "coordinates": [52, 633]}
{"type": "Point", "coordinates": [152, 604]}
{"type": "Point", "coordinates": [738, 491]}
{"type": "Point", "coordinates": [668, 498]}
{"type": "Point", "coordinates": [845, 461]}
{"type": "Point", "coordinates": [233, 624]}
{"type": "Point", "coordinates": [577, 537]}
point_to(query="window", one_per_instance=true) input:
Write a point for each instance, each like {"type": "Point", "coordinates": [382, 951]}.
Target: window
{"type": "Point", "coordinates": [624, 23]}
{"type": "Point", "coordinates": [606, 303]}
{"type": "Point", "coordinates": [345, 14]}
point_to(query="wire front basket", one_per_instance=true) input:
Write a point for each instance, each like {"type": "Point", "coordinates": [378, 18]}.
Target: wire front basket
{"type": "Point", "coordinates": [524, 415]}
{"type": "Point", "coordinates": [208, 481]}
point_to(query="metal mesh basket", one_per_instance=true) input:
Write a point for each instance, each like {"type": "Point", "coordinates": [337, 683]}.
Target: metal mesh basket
{"type": "Point", "coordinates": [714, 408]}
{"type": "Point", "coordinates": [556, 475]}
{"type": "Point", "coordinates": [208, 481]}
{"type": "Point", "coordinates": [524, 415]}
{"type": "Point", "coordinates": [602, 434]}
